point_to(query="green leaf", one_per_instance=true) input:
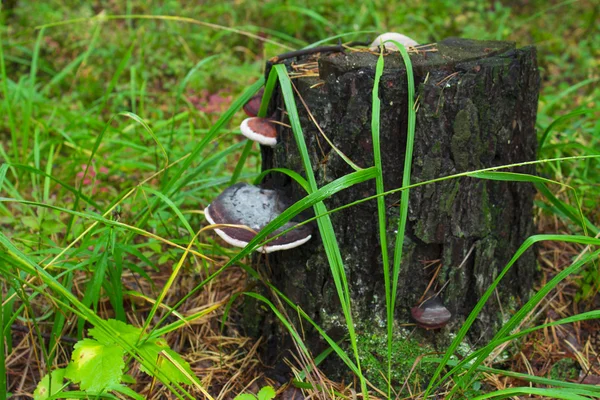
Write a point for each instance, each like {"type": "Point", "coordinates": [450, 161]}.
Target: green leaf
{"type": "Point", "coordinates": [126, 391]}
{"type": "Point", "coordinates": [128, 379]}
{"type": "Point", "coordinates": [31, 222]}
{"type": "Point", "coordinates": [95, 366]}
{"type": "Point", "coordinates": [153, 351]}
{"type": "Point", "coordinates": [52, 225]}
{"type": "Point", "coordinates": [129, 333]}
{"type": "Point", "coordinates": [266, 393]}
{"type": "Point", "coordinates": [245, 396]}
{"type": "Point", "coordinates": [44, 389]}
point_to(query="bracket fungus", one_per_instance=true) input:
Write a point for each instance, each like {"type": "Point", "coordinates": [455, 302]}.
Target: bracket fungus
{"type": "Point", "coordinates": [431, 314]}
{"type": "Point", "coordinates": [398, 37]}
{"type": "Point", "coordinates": [253, 207]}
{"type": "Point", "coordinates": [252, 106]}
{"type": "Point", "coordinates": [261, 130]}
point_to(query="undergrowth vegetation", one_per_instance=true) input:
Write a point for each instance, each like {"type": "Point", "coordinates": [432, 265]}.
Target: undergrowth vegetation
{"type": "Point", "coordinates": [119, 125]}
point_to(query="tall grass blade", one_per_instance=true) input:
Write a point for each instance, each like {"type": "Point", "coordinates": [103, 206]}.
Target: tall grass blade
{"type": "Point", "coordinates": [177, 182]}
{"type": "Point", "coordinates": [333, 345]}
{"type": "Point", "coordinates": [566, 210]}
{"type": "Point", "coordinates": [403, 217]}
{"type": "Point", "coordinates": [91, 296]}
{"type": "Point", "coordinates": [537, 298]}
{"type": "Point", "coordinates": [487, 349]}
{"type": "Point", "coordinates": [80, 60]}
{"type": "Point", "coordinates": [560, 120]}
{"type": "Point", "coordinates": [28, 115]}
{"type": "Point", "coordinates": [3, 332]}
{"type": "Point", "coordinates": [477, 309]}
{"type": "Point", "coordinates": [25, 264]}
{"type": "Point", "coordinates": [295, 209]}
{"type": "Point", "coordinates": [529, 378]}
{"type": "Point", "coordinates": [115, 78]}
{"type": "Point", "coordinates": [292, 174]}
{"type": "Point", "coordinates": [7, 104]}
{"type": "Point", "coordinates": [547, 393]}
{"type": "Point", "coordinates": [241, 162]}
{"type": "Point", "coordinates": [325, 226]}
{"type": "Point", "coordinates": [381, 209]}
{"type": "Point", "coordinates": [180, 90]}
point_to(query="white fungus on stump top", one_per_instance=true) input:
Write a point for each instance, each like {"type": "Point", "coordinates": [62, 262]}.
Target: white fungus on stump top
{"type": "Point", "coordinates": [398, 37]}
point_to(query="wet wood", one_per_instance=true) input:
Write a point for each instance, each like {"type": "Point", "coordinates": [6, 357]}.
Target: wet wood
{"type": "Point", "coordinates": [477, 103]}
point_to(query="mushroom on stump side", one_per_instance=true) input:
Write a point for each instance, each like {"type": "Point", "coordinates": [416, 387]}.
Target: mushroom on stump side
{"type": "Point", "coordinates": [431, 314]}
{"type": "Point", "coordinates": [253, 207]}
{"type": "Point", "coordinates": [260, 130]}
{"type": "Point", "coordinates": [252, 106]}
{"type": "Point", "coordinates": [257, 129]}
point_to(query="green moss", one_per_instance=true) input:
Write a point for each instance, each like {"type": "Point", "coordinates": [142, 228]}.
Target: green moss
{"type": "Point", "coordinates": [436, 149]}
{"type": "Point", "coordinates": [431, 168]}
{"type": "Point", "coordinates": [449, 197]}
{"type": "Point", "coordinates": [465, 137]}
{"type": "Point", "coordinates": [486, 213]}
{"type": "Point", "coordinates": [564, 369]}
{"type": "Point", "coordinates": [373, 352]}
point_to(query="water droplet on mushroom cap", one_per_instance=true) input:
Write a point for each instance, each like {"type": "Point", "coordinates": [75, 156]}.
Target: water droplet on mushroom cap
{"type": "Point", "coordinates": [245, 204]}
{"type": "Point", "coordinates": [431, 314]}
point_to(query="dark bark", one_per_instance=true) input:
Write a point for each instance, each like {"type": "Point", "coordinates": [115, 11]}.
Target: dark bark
{"type": "Point", "coordinates": [477, 109]}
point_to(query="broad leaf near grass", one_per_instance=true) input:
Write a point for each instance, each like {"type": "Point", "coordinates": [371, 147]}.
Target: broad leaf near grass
{"type": "Point", "coordinates": [129, 333]}
{"type": "Point", "coordinates": [266, 393]}
{"type": "Point", "coordinates": [50, 385]}
{"type": "Point", "coordinates": [95, 366]}
{"type": "Point", "coordinates": [97, 363]}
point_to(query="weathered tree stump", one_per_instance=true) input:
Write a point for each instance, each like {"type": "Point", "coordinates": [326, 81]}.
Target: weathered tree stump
{"type": "Point", "coordinates": [477, 103]}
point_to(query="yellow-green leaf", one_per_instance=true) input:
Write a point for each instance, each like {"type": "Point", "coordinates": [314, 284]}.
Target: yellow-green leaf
{"type": "Point", "coordinates": [127, 332]}
{"type": "Point", "coordinates": [95, 366]}
{"type": "Point", "coordinates": [266, 393]}
{"type": "Point", "coordinates": [44, 390]}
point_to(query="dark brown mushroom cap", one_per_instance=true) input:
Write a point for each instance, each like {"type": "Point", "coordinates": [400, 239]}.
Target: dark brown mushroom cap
{"type": "Point", "coordinates": [245, 204]}
{"type": "Point", "coordinates": [261, 130]}
{"type": "Point", "coordinates": [252, 107]}
{"type": "Point", "coordinates": [431, 314]}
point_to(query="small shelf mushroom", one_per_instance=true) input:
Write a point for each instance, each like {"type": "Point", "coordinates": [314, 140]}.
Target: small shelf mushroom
{"type": "Point", "coordinates": [252, 106]}
{"type": "Point", "coordinates": [398, 37]}
{"type": "Point", "coordinates": [261, 130]}
{"type": "Point", "coordinates": [249, 205]}
{"type": "Point", "coordinates": [431, 314]}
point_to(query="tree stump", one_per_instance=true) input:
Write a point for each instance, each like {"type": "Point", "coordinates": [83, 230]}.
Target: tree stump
{"type": "Point", "coordinates": [477, 103]}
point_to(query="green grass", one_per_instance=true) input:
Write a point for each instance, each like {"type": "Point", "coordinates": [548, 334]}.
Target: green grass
{"type": "Point", "coordinates": [106, 160]}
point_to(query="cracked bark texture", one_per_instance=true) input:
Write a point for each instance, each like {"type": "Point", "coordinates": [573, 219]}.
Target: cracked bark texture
{"type": "Point", "coordinates": [477, 103]}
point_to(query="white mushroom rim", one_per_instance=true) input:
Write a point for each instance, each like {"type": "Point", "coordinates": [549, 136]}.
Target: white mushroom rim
{"type": "Point", "coordinates": [254, 135]}
{"type": "Point", "coordinates": [240, 243]}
